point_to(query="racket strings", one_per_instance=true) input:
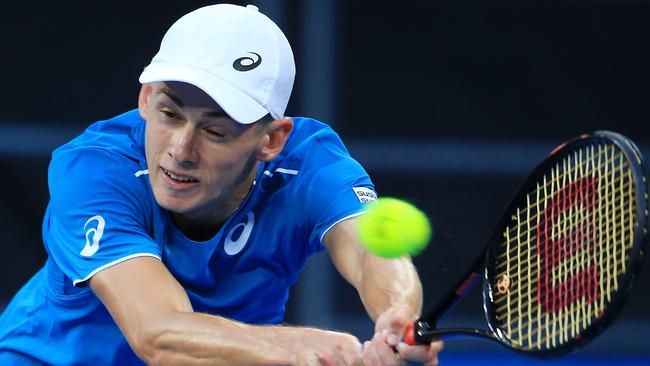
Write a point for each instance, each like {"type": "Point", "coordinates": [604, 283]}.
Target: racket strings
{"type": "Point", "coordinates": [573, 170]}
{"type": "Point", "coordinates": [573, 224]}
{"type": "Point", "coordinates": [619, 190]}
{"type": "Point", "coordinates": [522, 265]}
{"type": "Point", "coordinates": [531, 291]}
{"type": "Point", "coordinates": [532, 287]}
{"type": "Point", "coordinates": [565, 249]}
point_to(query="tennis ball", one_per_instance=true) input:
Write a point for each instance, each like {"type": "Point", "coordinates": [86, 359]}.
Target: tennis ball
{"type": "Point", "coordinates": [391, 228]}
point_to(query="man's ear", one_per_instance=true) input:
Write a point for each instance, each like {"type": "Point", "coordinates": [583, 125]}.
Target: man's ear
{"type": "Point", "coordinates": [275, 136]}
{"type": "Point", "coordinates": [143, 100]}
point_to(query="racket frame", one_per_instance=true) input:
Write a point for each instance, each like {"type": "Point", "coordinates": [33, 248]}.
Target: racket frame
{"type": "Point", "coordinates": [424, 330]}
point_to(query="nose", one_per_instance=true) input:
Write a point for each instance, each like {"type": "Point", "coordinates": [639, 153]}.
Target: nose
{"type": "Point", "coordinates": [183, 149]}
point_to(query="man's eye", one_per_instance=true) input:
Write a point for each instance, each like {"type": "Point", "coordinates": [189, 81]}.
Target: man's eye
{"type": "Point", "coordinates": [214, 133]}
{"type": "Point", "coordinates": [168, 114]}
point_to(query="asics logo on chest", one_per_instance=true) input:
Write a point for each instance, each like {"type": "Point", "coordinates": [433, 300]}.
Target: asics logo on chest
{"type": "Point", "coordinates": [93, 236]}
{"type": "Point", "coordinates": [232, 245]}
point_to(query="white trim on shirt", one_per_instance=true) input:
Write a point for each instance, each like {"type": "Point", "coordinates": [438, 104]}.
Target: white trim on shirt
{"type": "Point", "coordinates": [75, 282]}
{"type": "Point", "coordinates": [140, 172]}
{"type": "Point", "coordinates": [331, 226]}
{"type": "Point", "coordinates": [282, 170]}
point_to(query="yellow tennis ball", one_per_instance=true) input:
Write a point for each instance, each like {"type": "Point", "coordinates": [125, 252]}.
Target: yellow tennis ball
{"type": "Point", "coordinates": [391, 228]}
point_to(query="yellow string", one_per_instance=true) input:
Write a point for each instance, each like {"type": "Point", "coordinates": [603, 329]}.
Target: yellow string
{"type": "Point", "coordinates": [525, 322]}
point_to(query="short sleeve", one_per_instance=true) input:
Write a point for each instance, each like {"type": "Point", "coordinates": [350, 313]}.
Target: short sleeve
{"type": "Point", "coordinates": [336, 192]}
{"type": "Point", "coordinates": [99, 212]}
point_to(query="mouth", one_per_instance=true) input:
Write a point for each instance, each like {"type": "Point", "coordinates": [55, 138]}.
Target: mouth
{"type": "Point", "coordinates": [178, 179]}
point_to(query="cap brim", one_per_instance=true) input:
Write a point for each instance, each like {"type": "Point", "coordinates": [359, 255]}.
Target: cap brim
{"type": "Point", "coordinates": [238, 105]}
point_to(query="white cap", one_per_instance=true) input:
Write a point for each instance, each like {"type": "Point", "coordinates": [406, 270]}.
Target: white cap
{"type": "Point", "coordinates": [235, 54]}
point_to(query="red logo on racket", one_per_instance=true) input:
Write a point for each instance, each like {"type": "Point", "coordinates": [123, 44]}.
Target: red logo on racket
{"type": "Point", "coordinates": [566, 273]}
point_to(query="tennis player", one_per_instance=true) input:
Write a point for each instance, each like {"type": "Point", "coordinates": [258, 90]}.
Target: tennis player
{"type": "Point", "coordinates": [174, 231]}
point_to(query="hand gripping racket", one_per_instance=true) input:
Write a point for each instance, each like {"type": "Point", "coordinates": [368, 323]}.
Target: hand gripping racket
{"type": "Point", "coordinates": [564, 257]}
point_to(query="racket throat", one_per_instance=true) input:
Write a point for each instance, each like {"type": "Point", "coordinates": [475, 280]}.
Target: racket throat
{"type": "Point", "coordinates": [424, 333]}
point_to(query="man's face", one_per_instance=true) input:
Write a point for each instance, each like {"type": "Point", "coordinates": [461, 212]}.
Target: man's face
{"type": "Point", "coordinates": [200, 160]}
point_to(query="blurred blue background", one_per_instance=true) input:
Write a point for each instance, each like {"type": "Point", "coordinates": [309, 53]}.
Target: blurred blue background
{"type": "Point", "coordinates": [446, 103]}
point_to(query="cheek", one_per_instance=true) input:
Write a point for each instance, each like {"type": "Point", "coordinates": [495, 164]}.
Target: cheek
{"type": "Point", "coordinates": [149, 145]}
{"type": "Point", "coordinates": [154, 142]}
{"type": "Point", "coordinates": [225, 165]}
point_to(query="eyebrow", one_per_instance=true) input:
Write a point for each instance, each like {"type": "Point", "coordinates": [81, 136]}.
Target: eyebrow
{"type": "Point", "coordinates": [171, 95]}
{"type": "Point", "coordinates": [165, 90]}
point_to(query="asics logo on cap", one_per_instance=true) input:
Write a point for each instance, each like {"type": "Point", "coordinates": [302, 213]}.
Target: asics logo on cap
{"type": "Point", "coordinates": [247, 63]}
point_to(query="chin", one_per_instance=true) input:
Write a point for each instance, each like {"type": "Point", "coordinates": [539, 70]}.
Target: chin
{"type": "Point", "coordinates": [174, 204]}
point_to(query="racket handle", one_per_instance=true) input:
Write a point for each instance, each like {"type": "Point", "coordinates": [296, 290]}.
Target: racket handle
{"type": "Point", "coordinates": [420, 333]}
{"type": "Point", "coordinates": [409, 335]}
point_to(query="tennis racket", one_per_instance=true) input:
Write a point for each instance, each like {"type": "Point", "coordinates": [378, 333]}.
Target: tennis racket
{"type": "Point", "coordinates": [565, 255]}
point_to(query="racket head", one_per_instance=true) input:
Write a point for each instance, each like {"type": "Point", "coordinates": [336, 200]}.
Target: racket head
{"type": "Point", "coordinates": [565, 255]}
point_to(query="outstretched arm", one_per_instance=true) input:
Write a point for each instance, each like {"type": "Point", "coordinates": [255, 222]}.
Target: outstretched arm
{"type": "Point", "coordinates": [155, 315]}
{"type": "Point", "coordinates": [390, 290]}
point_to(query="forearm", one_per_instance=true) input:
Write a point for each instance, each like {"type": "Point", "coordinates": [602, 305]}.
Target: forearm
{"type": "Point", "coordinates": [157, 319]}
{"type": "Point", "coordinates": [390, 290]}
{"type": "Point", "coordinates": [392, 294]}
{"type": "Point", "coordinates": [202, 339]}
{"type": "Point", "coordinates": [384, 283]}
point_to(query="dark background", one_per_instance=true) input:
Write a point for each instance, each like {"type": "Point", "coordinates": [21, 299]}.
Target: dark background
{"type": "Point", "coordinates": [446, 103]}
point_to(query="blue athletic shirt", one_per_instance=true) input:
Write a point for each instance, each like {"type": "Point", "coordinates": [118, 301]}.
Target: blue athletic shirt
{"type": "Point", "coordinates": [102, 212]}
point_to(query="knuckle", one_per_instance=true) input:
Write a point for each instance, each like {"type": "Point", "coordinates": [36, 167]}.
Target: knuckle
{"type": "Point", "coordinates": [347, 340]}
{"type": "Point", "coordinates": [324, 358]}
{"type": "Point", "coordinates": [432, 361]}
{"type": "Point", "coordinates": [351, 338]}
{"type": "Point", "coordinates": [440, 345]}
{"type": "Point", "coordinates": [395, 362]}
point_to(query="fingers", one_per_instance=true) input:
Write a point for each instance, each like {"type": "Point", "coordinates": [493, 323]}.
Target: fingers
{"type": "Point", "coordinates": [427, 354]}
{"type": "Point", "coordinates": [346, 350]}
{"type": "Point", "coordinates": [352, 352]}
{"type": "Point", "coordinates": [399, 319]}
{"type": "Point", "coordinates": [393, 322]}
{"type": "Point", "coordinates": [370, 356]}
{"type": "Point", "coordinates": [330, 359]}
{"type": "Point", "coordinates": [378, 352]}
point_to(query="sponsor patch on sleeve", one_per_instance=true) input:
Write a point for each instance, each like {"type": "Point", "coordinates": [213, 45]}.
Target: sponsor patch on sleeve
{"type": "Point", "coordinates": [365, 194]}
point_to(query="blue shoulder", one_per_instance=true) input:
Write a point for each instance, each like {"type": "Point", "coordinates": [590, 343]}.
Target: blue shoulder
{"type": "Point", "coordinates": [314, 140]}
{"type": "Point", "coordinates": [122, 135]}
{"type": "Point", "coordinates": [107, 158]}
